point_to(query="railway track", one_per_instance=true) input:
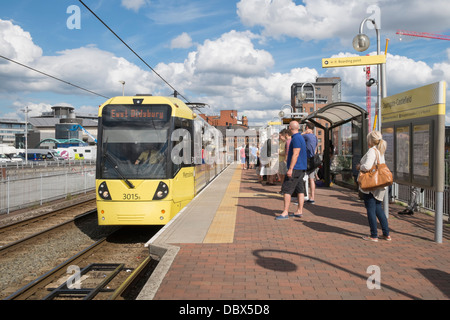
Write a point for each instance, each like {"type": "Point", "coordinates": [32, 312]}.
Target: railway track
{"type": "Point", "coordinates": [107, 270]}
{"type": "Point", "coordinates": [19, 231]}
{"type": "Point", "coordinates": [71, 240]}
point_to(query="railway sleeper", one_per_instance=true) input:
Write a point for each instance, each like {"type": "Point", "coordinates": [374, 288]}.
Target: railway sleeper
{"type": "Point", "coordinates": [63, 290]}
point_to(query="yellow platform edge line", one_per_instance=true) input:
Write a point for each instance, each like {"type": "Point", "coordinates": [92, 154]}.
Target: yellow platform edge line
{"type": "Point", "coordinates": [222, 227]}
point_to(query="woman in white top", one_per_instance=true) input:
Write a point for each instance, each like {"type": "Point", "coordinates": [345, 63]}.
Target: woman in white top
{"type": "Point", "coordinates": [373, 199]}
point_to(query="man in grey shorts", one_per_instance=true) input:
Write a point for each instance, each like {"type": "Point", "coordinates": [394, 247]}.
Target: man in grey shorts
{"type": "Point", "coordinates": [297, 165]}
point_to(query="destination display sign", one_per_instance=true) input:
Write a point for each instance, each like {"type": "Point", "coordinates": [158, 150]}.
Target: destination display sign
{"type": "Point", "coordinates": [137, 113]}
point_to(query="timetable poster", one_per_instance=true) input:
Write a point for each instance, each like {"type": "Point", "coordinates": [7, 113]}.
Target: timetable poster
{"type": "Point", "coordinates": [421, 152]}
{"type": "Point", "coordinates": [403, 139]}
{"type": "Point", "coordinates": [388, 136]}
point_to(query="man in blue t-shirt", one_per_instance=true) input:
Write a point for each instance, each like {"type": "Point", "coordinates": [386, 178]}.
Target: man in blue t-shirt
{"type": "Point", "coordinates": [296, 165]}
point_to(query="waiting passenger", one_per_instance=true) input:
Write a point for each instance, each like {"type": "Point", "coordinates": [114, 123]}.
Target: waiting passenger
{"type": "Point", "coordinates": [297, 165]}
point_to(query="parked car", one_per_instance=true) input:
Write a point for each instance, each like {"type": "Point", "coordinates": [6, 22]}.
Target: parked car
{"type": "Point", "coordinates": [4, 158]}
{"type": "Point", "coordinates": [17, 158]}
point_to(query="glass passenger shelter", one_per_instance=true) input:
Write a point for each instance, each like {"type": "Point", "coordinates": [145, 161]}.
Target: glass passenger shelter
{"type": "Point", "coordinates": [345, 129]}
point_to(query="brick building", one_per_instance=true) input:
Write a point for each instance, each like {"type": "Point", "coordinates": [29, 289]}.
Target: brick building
{"type": "Point", "coordinates": [327, 90]}
{"type": "Point", "coordinates": [225, 119]}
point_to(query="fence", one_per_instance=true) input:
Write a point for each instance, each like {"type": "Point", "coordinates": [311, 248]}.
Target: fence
{"type": "Point", "coordinates": [426, 200]}
{"type": "Point", "coordinates": [32, 185]}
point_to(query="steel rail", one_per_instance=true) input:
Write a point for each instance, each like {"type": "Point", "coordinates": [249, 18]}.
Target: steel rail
{"type": "Point", "coordinates": [130, 279]}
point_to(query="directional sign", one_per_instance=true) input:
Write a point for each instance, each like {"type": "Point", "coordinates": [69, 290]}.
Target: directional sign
{"type": "Point", "coordinates": [353, 61]}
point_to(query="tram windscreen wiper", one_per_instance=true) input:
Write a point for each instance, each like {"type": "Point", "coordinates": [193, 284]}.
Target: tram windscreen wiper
{"type": "Point", "coordinates": [116, 168]}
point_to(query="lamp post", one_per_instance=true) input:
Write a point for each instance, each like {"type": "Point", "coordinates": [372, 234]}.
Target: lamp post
{"type": "Point", "coordinates": [123, 87]}
{"type": "Point", "coordinates": [361, 43]}
{"type": "Point", "coordinates": [302, 97]}
{"type": "Point", "coordinates": [26, 110]}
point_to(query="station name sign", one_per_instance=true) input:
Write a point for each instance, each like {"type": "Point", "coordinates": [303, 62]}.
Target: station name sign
{"type": "Point", "coordinates": [353, 61]}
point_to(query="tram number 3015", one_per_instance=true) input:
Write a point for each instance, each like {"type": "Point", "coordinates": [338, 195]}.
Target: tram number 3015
{"type": "Point", "coordinates": [131, 196]}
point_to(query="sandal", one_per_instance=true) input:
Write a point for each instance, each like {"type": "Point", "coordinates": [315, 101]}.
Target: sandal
{"type": "Point", "coordinates": [369, 238]}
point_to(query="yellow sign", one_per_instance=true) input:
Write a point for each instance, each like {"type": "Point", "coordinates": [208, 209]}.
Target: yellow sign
{"type": "Point", "coordinates": [353, 61]}
{"type": "Point", "coordinates": [418, 103]}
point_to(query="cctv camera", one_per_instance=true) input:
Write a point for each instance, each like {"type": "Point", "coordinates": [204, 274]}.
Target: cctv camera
{"type": "Point", "coordinates": [371, 82]}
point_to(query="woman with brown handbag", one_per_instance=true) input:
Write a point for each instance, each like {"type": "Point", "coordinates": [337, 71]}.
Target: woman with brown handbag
{"type": "Point", "coordinates": [373, 199]}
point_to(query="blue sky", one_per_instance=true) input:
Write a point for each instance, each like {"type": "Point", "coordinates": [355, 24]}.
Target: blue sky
{"type": "Point", "coordinates": [241, 55]}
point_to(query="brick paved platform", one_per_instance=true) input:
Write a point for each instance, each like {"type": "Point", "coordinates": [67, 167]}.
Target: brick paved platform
{"type": "Point", "coordinates": [320, 256]}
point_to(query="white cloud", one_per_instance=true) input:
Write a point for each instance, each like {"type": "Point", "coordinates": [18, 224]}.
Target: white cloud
{"type": "Point", "coordinates": [183, 41]}
{"type": "Point", "coordinates": [100, 73]}
{"type": "Point", "coordinates": [318, 19]}
{"type": "Point", "coordinates": [134, 5]}
{"type": "Point", "coordinates": [35, 109]}
{"type": "Point", "coordinates": [327, 19]}
{"type": "Point", "coordinates": [16, 43]}
{"type": "Point", "coordinates": [228, 72]}
{"type": "Point", "coordinates": [233, 53]}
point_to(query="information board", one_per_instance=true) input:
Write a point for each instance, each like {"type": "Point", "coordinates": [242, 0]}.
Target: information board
{"type": "Point", "coordinates": [413, 124]}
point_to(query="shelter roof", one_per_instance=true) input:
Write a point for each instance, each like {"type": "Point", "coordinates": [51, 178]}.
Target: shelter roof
{"type": "Point", "coordinates": [336, 113]}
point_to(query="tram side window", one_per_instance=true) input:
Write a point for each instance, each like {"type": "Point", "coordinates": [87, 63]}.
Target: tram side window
{"type": "Point", "coordinates": [182, 147]}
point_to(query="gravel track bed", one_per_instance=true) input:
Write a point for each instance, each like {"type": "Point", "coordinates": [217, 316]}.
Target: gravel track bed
{"type": "Point", "coordinates": [21, 267]}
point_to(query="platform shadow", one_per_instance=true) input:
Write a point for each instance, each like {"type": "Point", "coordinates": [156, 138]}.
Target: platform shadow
{"type": "Point", "coordinates": [265, 259]}
{"type": "Point", "coordinates": [438, 278]}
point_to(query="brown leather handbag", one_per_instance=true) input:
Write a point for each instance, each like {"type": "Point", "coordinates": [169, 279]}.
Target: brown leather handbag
{"type": "Point", "coordinates": [379, 176]}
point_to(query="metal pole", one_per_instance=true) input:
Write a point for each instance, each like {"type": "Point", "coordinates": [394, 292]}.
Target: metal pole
{"type": "Point", "coordinates": [380, 80]}
{"type": "Point", "coordinates": [26, 135]}
{"type": "Point", "coordinates": [438, 217]}
{"type": "Point", "coordinates": [41, 191]}
{"type": "Point", "coordinates": [7, 194]}
{"type": "Point", "coordinates": [381, 93]}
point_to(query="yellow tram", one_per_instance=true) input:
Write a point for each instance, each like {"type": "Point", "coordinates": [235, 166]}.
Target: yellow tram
{"type": "Point", "coordinates": [153, 156]}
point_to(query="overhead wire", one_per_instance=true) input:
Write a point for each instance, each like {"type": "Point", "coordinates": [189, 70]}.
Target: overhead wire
{"type": "Point", "coordinates": [176, 92]}
{"type": "Point", "coordinates": [53, 77]}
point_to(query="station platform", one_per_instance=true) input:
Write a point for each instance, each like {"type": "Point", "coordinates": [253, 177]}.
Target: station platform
{"type": "Point", "coordinates": [227, 245]}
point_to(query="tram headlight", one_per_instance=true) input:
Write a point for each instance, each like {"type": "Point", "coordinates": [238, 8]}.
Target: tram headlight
{"type": "Point", "coordinates": [161, 192]}
{"type": "Point", "coordinates": [103, 191]}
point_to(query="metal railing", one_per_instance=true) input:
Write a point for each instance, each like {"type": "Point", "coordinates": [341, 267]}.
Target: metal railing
{"type": "Point", "coordinates": [427, 198]}
{"type": "Point", "coordinates": [33, 185]}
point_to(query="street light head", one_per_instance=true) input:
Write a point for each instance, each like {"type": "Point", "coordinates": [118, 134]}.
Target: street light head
{"type": "Point", "coordinates": [281, 114]}
{"type": "Point", "coordinates": [301, 96]}
{"type": "Point", "coordinates": [361, 42]}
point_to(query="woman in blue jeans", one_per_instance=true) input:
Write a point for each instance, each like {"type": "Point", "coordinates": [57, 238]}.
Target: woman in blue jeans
{"type": "Point", "coordinates": [373, 199]}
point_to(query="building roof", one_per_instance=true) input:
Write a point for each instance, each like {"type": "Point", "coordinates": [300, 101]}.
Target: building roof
{"type": "Point", "coordinates": [52, 122]}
